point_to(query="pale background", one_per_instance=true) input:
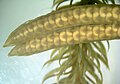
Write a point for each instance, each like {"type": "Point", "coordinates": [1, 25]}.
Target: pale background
{"type": "Point", "coordinates": [28, 70]}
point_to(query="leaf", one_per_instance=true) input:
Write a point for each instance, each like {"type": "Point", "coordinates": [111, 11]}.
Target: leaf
{"type": "Point", "coordinates": [56, 57]}
{"type": "Point", "coordinates": [102, 60]}
{"type": "Point", "coordinates": [112, 1]}
{"type": "Point", "coordinates": [66, 73]}
{"type": "Point", "coordinates": [61, 53]}
{"type": "Point", "coordinates": [53, 52]}
{"type": "Point", "coordinates": [90, 79]}
{"type": "Point", "coordinates": [50, 74]}
{"type": "Point", "coordinates": [84, 81]}
{"type": "Point", "coordinates": [71, 1]}
{"type": "Point", "coordinates": [64, 66]}
{"type": "Point", "coordinates": [64, 80]}
{"type": "Point", "coordinates": [108, 44]}
{"type": "Point", "coordinates": [91, 52]}
{"type": "Point", "coordinates": [101, 49]}
{"type": "Point", "coordinates": [97, 56]}
{"type": "Point", "coordinates": [94, 75]}
{"type": "Point", "coordinates": [98, 63]}
{"type": "Point", "coordinates": [93, 64]}
{"type": "Point", "coordinates": [55, 2]}
{"type": "Point", "coordinates": [98, 2]}
{"type": "Point", "coordinates": [105, 1]}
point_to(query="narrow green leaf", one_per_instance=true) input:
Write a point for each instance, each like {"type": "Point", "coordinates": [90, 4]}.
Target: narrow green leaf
{"type": "Point", "coordinates": [65, 65]}
{"type": "Point", "coordinates": [98, 56]}
{"type": "Point", "coordinates": [61, 53]}
{"type": "Point", "coordinates": [93, 64]}
{"type": "Point", "coordinates": [98, 62]}
{"type": "Point", "coordinates": [108, 44]}
{"type": "Point", "coordinates": [52, 73]}
{"type": "Point", "coordinates": [56, 57]}
{"type": "Point", "coordinates": [91, 52]}
{"type": "Point", "coordinates": [53, 52]}
{"type": "Point", "coordinates": [65, 80]}
{"type": "Point", "coordinates": [55, 2]}
{"type": "Point", "coordinates": [66, 73]}
{"type": "Point", "coordinates": [102, 60]}
{"type": "Point", "coordinates": [105, 1]}
{"type": "Point", "coordinates": [94, 75]}
{"type": "Point", "coordinates": [71, 1]}
{"type": "Point", "coordinates": [90, 79]}
{"type": "Point", "coordinates": [98, 2]}
{"type": "Point", "coordinates": [101, 49]}
{"type": "Point", "coordinates": [112, 1]}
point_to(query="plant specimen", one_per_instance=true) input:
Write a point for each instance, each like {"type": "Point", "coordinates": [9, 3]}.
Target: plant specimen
{"type": "Point", "coordinates": [75, 32]}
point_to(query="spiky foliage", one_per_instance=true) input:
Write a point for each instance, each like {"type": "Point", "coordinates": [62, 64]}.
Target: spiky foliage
{"type": "Point", "coordinates": [80, 63]}
{"type": "Point", "coordinates": [57, 3]}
